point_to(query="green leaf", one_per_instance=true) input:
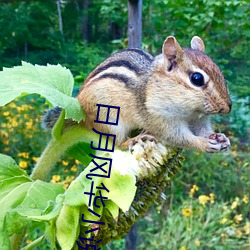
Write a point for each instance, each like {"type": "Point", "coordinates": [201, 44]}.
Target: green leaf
{"type": "Point", "coordinates": [67, 226]}
{"type": "Point", "coordinates": [81, 151]}
{"type": "Point", "coordinates": [53, 82]}
{"type": "Point", "coordinates": [113, 208]}
{"type": "Point", "coordinates": [9, 168]}
{"type": "Point", "coordinates": [122, 189]}
{"type": "Point", "coordinates": [6, 186]}
{"type": "Point", "coordinates": [39, 194]}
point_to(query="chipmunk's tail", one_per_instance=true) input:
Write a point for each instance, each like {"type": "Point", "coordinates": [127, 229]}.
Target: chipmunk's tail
{"type": "Point", "coordinates": [50, 117]}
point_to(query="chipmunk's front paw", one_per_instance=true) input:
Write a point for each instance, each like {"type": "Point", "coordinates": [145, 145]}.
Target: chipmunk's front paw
{"type": "Point", "coordinates": [141, 139]}
{"type": "Point", "coordinates": [218, 142]}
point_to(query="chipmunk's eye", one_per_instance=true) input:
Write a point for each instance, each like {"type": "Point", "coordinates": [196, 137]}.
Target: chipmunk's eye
{"type": "Point", "coordinates": [197, 79]}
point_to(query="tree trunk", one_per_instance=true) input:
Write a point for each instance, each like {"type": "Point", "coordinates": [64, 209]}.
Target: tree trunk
{"type": "Point", "coordinates": [85, 23]}
{"type": "Point", "coordinates": [131, 238]}
{"type": "Point", "coordinates": [135, 23]}
{"type": "Point", "coordinates": [59, 16]}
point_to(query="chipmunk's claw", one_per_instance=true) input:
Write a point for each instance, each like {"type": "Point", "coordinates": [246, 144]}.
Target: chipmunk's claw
{"type": "Point", "coordinates": [218, 142]}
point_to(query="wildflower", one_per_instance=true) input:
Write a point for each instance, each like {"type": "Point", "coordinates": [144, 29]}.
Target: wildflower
{"type": "Point", "coordinates": [224, 164]}
{"type": "Point", "coordinates": [23, 164]}
{"type": "Point", "coordinates": [223, 220]}
{"type": "Point", "coordinates": [183, 248]}
{"type": "Point", "coordinates": [186, 211]}
{"type": "Point", "coordinates": [70, 178]}
{"type": "Point", "coordinates": [12, 105]}
{"type": "Point", "coordinates": [203, 199]}
{"type": "Point", "coordinates": [235, 203]}
{"type": "Point", "coordinates": [35, 159]}
{"type": "Point", "coordinates": [234, 152]}
{"type": "Point", "coordinates": [65, 185]}
{"type": "Point", "coordinates": [65, 163]}
{"type": "Point", "coordinates": [211, 195]}
{"type": "Point", "coordinates": [14, 123]}
{"type": "Point", "coordinates": [245, 199]}
{"type": "Point", "coordinates": [6, 113]}
{"type": "Point", "coordinates": [238, 218]}
{"type": "Point", "coordinates": [4, 134]}
{"type": "Point", "coordinates": [55, 178]}
{"type": "Point", "coordinates": [29, 124]}
{"type": "Point", "coordinates": [77, 162]}
{"type": "Point", "coordinates": [193, 190]}
{"type": "Point", "coordinates": [197, 242]}
{"type": "Point", "coordinates": [24, 154]}
{"type": "Point", "coordinates": [247, 227]}
{"type": "Point", "coordinates": [73, 168]}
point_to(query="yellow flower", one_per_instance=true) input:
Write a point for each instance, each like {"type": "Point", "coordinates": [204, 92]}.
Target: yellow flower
{"type": "Point", "coordinates": [14, 123]}
{"type": "Point", "coordinates": [234, 152]}
{"type": "Point", "coordinates": [211, 195]}
{"type": "Point", "coordinates": [70, 178]}
{"type": "Point", "coordinates": [197, 242]}
{"type": "Point", "coordinates": [223, 220]}
{"type": "Point", "coordinates": [35, 159]}
{"type": "Point", "coordinates": [65, 163]}
{"type": "Point", "coordinates": [4, 134]}
{"type": "Point", "coordinates": [193, 190]}
{"type": "Point", "coordinates": [225, 164]}
{"type": "Point", "coordinates": [73, 168]}
{"type": "Point", "coordinates": [77, 162]}
{"type": "Point", "coordinates": [245, 199]}
{"type": "Point", "coordinates": [238, 218]}
{"type": "Point", "coordinates": [55, 178]}
{"type": "Point", "coordinates": [23, 164]}
{"type": "Point", "coordinates": [203, 199]}
{"type": "Point", "coordinates": [235, 203]}
{"type": "Point", "coordinates": [29, 124]}
{"type": "Point", "coordinates": [12, 105]}
{"type": "Point", "coordinates": [6, 113]}
{"type": "Point", "coordinates": [65, 185]}
{"type": "Point", "coordinates": [24, 154]}
{"type": "Point", "coordinates": [182, 248]}
{"type": "Point", "coordinates": [187, 211]}
{"type": "Point", "coordinates": [247, 227]}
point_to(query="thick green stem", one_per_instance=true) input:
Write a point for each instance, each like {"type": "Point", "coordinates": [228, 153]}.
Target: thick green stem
{"type": "Point", "coordinates": [57, 147]}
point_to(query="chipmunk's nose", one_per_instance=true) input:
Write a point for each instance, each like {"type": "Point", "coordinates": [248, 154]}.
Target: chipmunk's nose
{"type": "Point", "coordinates": [227, 108]}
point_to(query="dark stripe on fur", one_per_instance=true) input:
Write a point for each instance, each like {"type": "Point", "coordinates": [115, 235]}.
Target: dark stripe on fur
{"type": "Point", "coordinates": [118, 77]}
{"type": "Point", "coordinates": [118, 63]}
{"type": "Point", "coordinates": [142, 53]}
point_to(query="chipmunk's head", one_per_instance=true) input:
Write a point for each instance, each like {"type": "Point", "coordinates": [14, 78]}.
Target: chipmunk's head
{"type": "Point", "coordinates": [198, 77]}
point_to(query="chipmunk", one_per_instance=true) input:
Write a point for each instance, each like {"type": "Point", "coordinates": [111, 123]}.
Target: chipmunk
{"type": "Point", "coordinates": [170, 96]}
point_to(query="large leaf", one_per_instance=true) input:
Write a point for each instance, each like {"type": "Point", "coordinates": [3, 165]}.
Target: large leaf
{"type": "Point", "coordinates": [67, 226]}
{"type": "Point", "coordinates": [9, 168]}
{"type": "Point", "coordinates": [53, 82]}
{"type": "Point", "coordinates": [21, 197]}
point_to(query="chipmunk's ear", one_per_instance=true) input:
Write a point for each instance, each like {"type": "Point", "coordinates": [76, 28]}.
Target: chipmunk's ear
{"type": "Point", "coordinates": [197, 43]}
{"type": "Point", "coordinates": [171, 49]}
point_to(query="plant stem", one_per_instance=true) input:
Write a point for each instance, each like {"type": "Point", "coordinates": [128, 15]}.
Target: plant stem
{"type": "Point", "coordinates": [57, 147]}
